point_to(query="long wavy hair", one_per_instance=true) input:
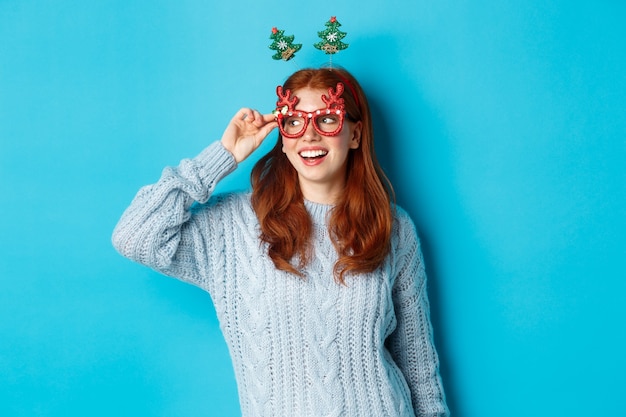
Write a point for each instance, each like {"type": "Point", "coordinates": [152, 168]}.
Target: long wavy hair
{"type": "Point", "coordinates": [361, 221]}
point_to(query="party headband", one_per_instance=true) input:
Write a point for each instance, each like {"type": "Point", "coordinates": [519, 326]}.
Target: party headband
{"type": "Point", "coordinates": [330, 41]}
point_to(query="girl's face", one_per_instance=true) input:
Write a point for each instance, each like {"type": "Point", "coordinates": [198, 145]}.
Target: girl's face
{"type": "Point", "coordinates": [321, 160]}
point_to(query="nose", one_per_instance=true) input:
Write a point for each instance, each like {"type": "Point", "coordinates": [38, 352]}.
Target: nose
{"type": "Point", "coordinates": [310, 134]}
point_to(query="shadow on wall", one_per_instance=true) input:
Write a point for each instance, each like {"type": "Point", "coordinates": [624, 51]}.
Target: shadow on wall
{"type": "Point", "coordinates": [388, 142]}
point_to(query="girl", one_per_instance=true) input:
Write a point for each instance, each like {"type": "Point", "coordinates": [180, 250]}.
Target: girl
{"type": "Point", "coordinates": [317, 278]}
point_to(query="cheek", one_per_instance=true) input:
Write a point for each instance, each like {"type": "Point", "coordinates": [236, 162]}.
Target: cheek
{"type": "Point", "coordinates": [344, 142]}
{"type": "Point", "coordinates": [289, 145]}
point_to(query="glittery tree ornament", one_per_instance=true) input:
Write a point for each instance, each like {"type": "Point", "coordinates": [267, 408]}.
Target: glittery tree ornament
{"type": "Point", "coordinates": [283, 45]}
{"type": "Point", "coordinates": [331, 37]}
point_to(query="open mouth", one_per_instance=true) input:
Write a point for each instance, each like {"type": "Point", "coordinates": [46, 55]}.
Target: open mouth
{"type": "Point", "coordinates": [313, 154]}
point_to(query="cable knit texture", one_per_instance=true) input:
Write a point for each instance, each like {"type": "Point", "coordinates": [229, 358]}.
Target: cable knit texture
{"type": "Point", "coordinates": [301, 347]}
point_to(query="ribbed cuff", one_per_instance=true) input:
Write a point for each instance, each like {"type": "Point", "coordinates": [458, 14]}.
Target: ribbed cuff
{"type": "Point", "coordinates": [214, 162]}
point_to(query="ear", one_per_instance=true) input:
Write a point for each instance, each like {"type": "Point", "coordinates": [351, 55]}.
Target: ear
{"type": "Point", "coordinates": [355, 140]}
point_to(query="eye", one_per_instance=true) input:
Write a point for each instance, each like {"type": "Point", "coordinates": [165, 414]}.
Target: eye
{"type": "Point", "coordinates": [329, 119]}
{"type": "Point", "coordinates": [293, 121]}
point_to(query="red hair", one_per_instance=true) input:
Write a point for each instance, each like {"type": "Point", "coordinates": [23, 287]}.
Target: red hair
{"type": "Point", "coordinates": [360, 223]}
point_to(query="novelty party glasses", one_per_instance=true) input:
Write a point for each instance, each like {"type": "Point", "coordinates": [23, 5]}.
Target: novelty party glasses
{"type": "Point", "coordinates": [293, 123]}
{"type": "Point", "coordinates": [326, 122]}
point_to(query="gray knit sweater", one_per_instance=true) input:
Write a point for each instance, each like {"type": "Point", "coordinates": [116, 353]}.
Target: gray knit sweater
{"type": "Point", "coordinates": [301, 347]}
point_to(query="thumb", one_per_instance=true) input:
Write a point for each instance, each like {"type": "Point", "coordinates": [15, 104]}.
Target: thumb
{"type": "Point", "coordinates": [265, 130]}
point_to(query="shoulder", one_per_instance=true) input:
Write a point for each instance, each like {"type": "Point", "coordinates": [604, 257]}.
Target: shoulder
{"type": "Point", "coordinates": [233, 205]}
{"type": "Point", "coordinates": [405, 241]}
{"type": "Point", "coordinates": [403, 225]}
{"type": "Point", "coordinates": [231, 200]}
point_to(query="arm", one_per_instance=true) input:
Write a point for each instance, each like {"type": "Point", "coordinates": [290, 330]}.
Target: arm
{"type": "Point", "coordinates": [159, 228]}
{"type": "Point", "coordinates": [411, 344]}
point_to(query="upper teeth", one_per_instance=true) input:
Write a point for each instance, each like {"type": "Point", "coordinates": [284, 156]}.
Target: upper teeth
{"type": "Point", "coordinates": [312, 153]}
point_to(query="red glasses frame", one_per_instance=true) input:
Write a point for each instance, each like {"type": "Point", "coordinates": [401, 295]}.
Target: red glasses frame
{"type": "Point", "coordinates": [307, 116]}
{"type": "Point", "coordinates": [285, 107]}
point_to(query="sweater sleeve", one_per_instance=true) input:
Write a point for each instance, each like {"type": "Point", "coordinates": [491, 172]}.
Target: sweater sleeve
{"type": "Point", "coordinates": [159, 230]}
{"type": "Point", "coordinates": [411, 344]}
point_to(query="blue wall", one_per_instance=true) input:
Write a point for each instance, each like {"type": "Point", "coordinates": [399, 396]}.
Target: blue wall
{"type": "Point", "coordinates": [502, 125]}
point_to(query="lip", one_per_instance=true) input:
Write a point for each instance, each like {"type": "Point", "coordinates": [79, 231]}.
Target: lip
{"type": "Point", "coordinates": [313, 161]}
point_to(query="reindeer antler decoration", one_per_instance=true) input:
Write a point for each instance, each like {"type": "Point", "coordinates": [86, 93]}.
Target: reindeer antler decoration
{"type": "Point", "coordinates": [333, 100]}
{"type": "Point", "coordinates": [285, 102]}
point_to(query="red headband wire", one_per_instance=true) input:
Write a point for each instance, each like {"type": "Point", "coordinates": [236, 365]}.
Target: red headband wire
{"type": "Point", "coordinates": [352, 90]}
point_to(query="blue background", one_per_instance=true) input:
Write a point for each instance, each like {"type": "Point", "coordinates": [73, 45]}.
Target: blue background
{"type": "Point", "coordinates": [501, 124]}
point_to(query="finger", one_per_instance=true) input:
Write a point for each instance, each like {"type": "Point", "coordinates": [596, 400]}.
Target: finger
{"type": "Point", "coordinates": [266, 129]}
{"type": "Point", "coordinates": [261, 119]}
{"type": "Point", "coordinates": [243, 114]}
{"type": "Point", "coordinates": [251, 117]}
{"type": "Point", "coordinates": [270, 117]}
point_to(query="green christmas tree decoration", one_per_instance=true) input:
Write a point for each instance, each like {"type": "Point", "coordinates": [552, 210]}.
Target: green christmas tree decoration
{"type": "Point", "coordinates": [283, 45]}
{"type": "Point", "coordinates": [331, 37]}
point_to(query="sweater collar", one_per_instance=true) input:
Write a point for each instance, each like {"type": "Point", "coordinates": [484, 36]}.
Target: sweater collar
{"type": "Point", "coordinates": [318, 212]}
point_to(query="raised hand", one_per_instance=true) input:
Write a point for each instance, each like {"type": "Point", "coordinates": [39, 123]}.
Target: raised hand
{"type": "Point", "coordinates": [246, 131]}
